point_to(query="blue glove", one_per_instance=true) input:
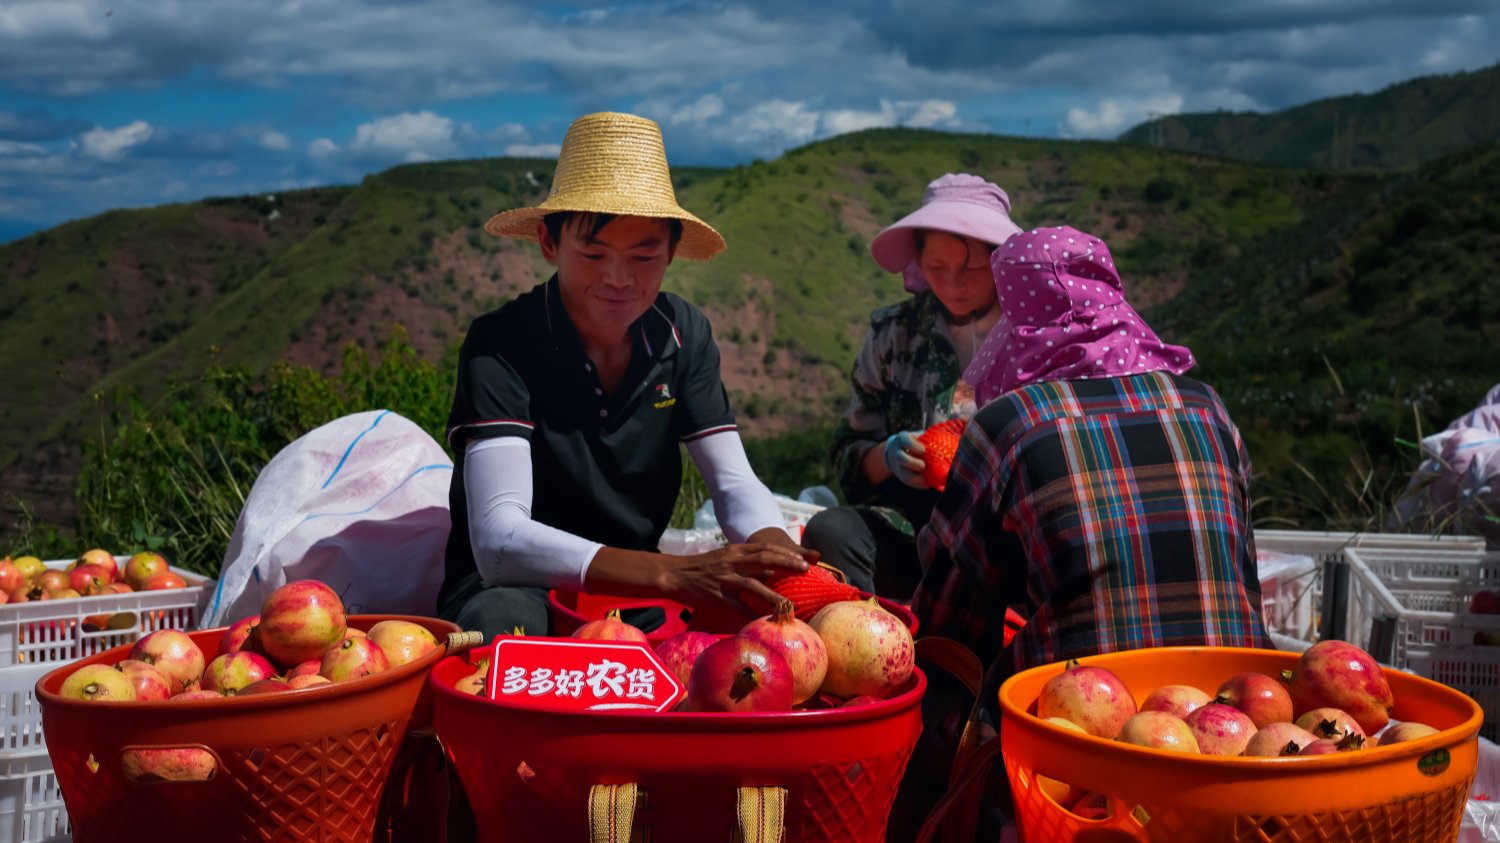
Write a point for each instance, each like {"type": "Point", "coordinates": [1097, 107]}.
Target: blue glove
{"type": "Point", "coordinates": [901, 453]}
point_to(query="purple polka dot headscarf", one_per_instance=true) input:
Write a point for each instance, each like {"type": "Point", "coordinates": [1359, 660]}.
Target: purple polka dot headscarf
{"type": "Point", "coordinates": [1064, 317]}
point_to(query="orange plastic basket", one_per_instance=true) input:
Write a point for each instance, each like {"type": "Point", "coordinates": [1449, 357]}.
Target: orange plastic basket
{"type": "Point", "coordinates": [530, 774]}
{"type": "Point", "coordinates": [302, 766]}
{"type": "Point", "coordinates": [568, 610]}
{"type": "Point", "coordinates": [1405, 793]}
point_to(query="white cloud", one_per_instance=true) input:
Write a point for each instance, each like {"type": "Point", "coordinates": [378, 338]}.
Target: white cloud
{"type": "Point", "coordinates": [8, 147]}
{"type": "Point", "coordinates": [843, 121]}
{"type": "Point", "coordinates": [413, 136]}
{"type": "Point", "coordinates": [781, 120]}
{"type": "Point", "coordinates": [322, 148]}
{"type": "Point", "coordinates": [699, 111]}
{"type": "Point", "coordinates": [274, 141]}
{"type": "Point", "coordinates": [534, 150]}
{"type": "Point", "coordinates": [1115, 114]}
{"type": "Point", "coordinates": [929, 114]}
{"type": "Point", "coordinates": [111, 144]}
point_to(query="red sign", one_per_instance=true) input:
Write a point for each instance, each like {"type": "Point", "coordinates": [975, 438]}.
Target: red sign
{"type": "Point", "coordinates": [570, 675]}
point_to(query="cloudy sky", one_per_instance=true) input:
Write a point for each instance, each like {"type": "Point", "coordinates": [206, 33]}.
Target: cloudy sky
{"type": "Point", "coordinates": [120, 103]}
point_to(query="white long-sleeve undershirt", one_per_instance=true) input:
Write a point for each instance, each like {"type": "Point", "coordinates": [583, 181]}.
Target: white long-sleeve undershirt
{"type": "Point", "coordinates": [510, 548]}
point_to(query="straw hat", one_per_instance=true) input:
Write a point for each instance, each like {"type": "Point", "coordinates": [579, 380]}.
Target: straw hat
{"type": "Point", "coordinates": [613, 164]}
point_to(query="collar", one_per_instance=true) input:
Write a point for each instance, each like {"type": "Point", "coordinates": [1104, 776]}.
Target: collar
{"type": "Point", "coordinates": [654, 333]}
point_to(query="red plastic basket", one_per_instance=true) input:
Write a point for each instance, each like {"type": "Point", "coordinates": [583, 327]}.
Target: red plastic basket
{"type": "Point", "coordinates": [568, 610]}
{"type": "Point", "coordinates": [529, 774]}
{"type": "Point", "coordinates": [303, 766]}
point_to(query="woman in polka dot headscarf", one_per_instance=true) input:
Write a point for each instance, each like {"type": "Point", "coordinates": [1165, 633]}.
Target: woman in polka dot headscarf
{"type": "Point", "coordinates": [1098, 491]}
{"type": "Point", "coordinates": [1064, 318]}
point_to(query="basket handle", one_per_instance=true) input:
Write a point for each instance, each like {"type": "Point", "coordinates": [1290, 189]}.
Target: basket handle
{"type": "Point", "coordinates": [963, 665]}
{"type": "Point", "coordinates": [458, 642]}
{"type": "Point", "coordinates": [761, 812]}
{"type": "Point", "coordinates": [611, 812]}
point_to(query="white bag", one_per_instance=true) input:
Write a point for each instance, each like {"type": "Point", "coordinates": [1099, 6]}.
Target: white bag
{"type": "Point", "coordinates": [361, 504]}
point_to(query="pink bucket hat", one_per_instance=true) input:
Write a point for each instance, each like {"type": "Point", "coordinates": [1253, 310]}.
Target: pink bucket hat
{"type": "Point", "coordinates": [957, 203]}
{"type": "Point", "coordinates": [1064, 317]}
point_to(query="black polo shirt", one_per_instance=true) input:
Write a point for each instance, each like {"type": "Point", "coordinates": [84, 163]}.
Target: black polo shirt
{"type": "Point", "coordinates": [604, 467]}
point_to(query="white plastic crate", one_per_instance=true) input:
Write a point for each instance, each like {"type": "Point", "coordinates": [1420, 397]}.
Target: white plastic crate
{"type": "Point", "coordinates": [31, 805]}
{"type": "Point", "coordinates": [1424, 592]}
{"type": "Point", "coordinates": [1294, 604]}
{"type": "Point", "coordinates": [37, 637]}
{"type": "Point", "coordinates": [44, 631]}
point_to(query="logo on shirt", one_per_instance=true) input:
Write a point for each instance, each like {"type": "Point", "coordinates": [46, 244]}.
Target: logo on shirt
{"type": "Point", "coordinates": [665, 395]}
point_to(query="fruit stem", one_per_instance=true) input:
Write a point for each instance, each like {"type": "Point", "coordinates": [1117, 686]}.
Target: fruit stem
{"type": "Point", "coordinates": [745, 681]}
{"type": "Point", "coordinates": [1286, 676]}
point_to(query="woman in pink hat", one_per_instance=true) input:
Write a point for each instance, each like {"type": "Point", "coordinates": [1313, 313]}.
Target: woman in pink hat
{"type": "Point", "coordinates": [906, 379]}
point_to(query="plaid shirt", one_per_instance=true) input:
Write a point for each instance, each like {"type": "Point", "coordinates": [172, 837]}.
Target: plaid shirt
{"type": "Point", "coordinates": [1113, 514]}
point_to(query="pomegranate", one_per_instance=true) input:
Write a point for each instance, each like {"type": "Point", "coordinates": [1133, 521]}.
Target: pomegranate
{"type": "Point", "coordinates": [98, 683]}
{"type": "Point", "coordinates": [240, 635]}
{"type": "Point", "coordinates": [1064, 723]}
{"type": "Point", "coordinates": [269, 685]}
{"type": "Point", "coordinates": [307, 668]}
{"type": "Point", "coordinates": [610, 628]}
{"type": "Point", "coordinates": [856, 702]}
{"type": "Point", "coordinates": [680, 651]}
{"type": "Point", "coordinates": [1329, 723]}
{"type": "Point", "coordinates": [307, 680]}
{"type": "Point", "coordinates": [299, 621]}
{"type": "Point", "coordinates": [803, 650]}
{"type": "Point", "coordinates": [142, 567]}
{"type": "Point", "coordinates": [1159, 730]}
{"type": "Point", "coordinates": [1328, 746]}
{"type": "Point", "coordinates": [1221, 729]}
{"type": "Point", "coordinates": [11, 577]}
{"type": "Point", "coordinates": [1336, 674]}
{"type": "Point", "coordinates": [1273, 739]}
{"type": "Point", "coordinates": [869, 649]}
{"type": "Point", "coordinates": [198, 694]}
{"type": "Point", "coordinates": [65, 594]}
{"type": "Point", "coordinates": [101, 558]}
{"type": "Point", "coordinates": [183, 764]}
{"type": "Point", "coordinates": [174, 654]}
{"type": "Point", "coordinates": [1092, 697]}
{"type": "Point", "coordinates": [352, 658]}
{"type": "Point", "coordinates": [1408, 731]}
{"type": "Point", "coordinates": [231, 672]}
{"type": "Point", "coordinates": [740, 674]}
{"type": "Point", "coordinates": [51, 580]}
{"type": "Point", "coordinates": [164, 581]}
{"type": "Point", "coordinates": [150, 685]}
{"type": "Point", "coordinates": [88, 579]}
{"type": "Point", "coordinates": [402, 641]}
{"type": "Point", "coordinates": [1260, 696]}
{"type": "Point", "coordinates": [1092, 806]}
{"type": "Point", "coordinates": [29, 566]}
{"type": "Point", "coordinates": [1061, 793]}
{"type": "Point", "coordinates": [1179, 700]}
{"type": "Point", "coordinates": [474, 683]}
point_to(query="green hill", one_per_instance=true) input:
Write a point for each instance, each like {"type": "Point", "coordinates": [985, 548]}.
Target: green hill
{"type": "Point", "coordinates": [1376, 318]}
{"type": "Point", "coordinates": [1396, 128]}
{"type": "Point", "coordinates": [1244, 260]}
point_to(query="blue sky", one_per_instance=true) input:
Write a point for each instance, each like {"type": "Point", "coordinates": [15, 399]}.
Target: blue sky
{"type": "Point", "coordinates": [125, 103]}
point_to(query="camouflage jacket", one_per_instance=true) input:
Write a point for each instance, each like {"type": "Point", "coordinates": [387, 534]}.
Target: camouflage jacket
{"type": "Point", "coordinates": [903, 379]}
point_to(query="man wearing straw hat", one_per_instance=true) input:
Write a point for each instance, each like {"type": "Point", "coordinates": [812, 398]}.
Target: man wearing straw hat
{"type": "Point", "coordinates": [572, 400]}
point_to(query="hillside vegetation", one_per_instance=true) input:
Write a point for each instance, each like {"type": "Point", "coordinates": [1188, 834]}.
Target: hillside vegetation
{"type": "Point", "coordinates": [1396, 128]}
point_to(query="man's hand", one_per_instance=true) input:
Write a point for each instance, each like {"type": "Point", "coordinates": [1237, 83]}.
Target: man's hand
{"type": "Point", "coordinates": [902, 456]}
{"type": "Point", "coordinates": [726, 574]}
